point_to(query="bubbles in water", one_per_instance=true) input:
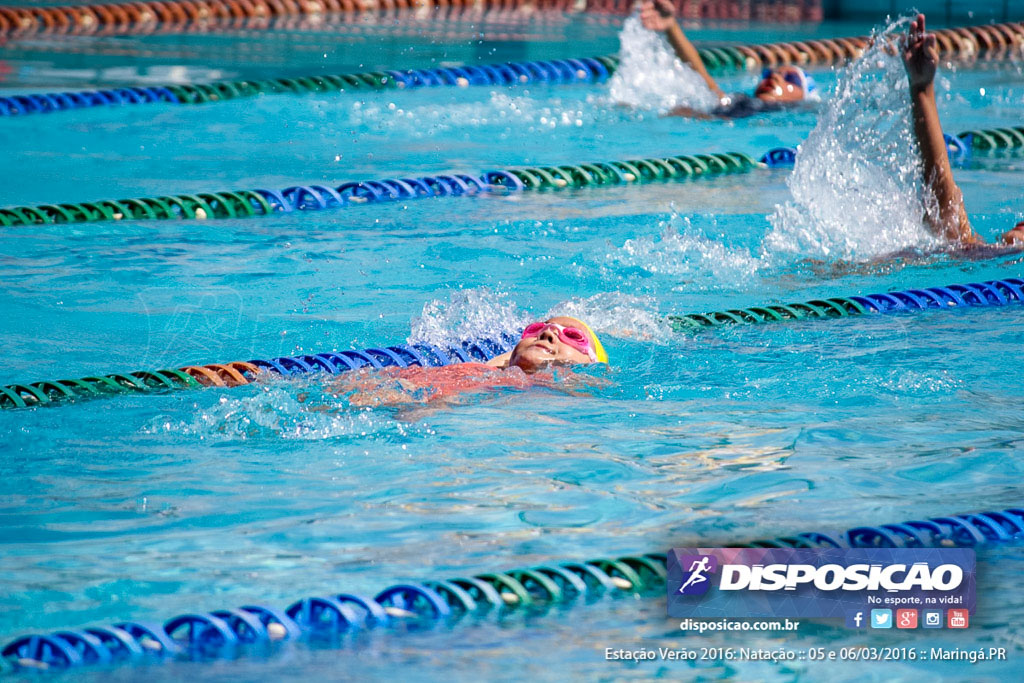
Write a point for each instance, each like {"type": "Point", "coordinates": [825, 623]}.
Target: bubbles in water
{"type": "Point", "coordinates": [468, 314]}
{"type": "Point", "coordinates": [650, 77]}
{"type": "Point", "coordinates": [856, 186]}
{"type": "Point", "coordinates": [928, 384]}
{"type": "Point", "coordinates": [682, 250]}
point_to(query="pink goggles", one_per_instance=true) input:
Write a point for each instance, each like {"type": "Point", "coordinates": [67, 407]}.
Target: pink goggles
{"type": "Point", "coordinates": [573, 336]}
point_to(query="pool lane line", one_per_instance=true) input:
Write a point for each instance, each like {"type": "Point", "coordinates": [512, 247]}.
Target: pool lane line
{"type": "Point", "coordinates": [585, 69]}
{"type": "Point", "coordinates": [46, 393]}
{"type": "Point", "coordinates": [965, 43]}
{"type": "Point", "coordinates": [144, 17]}
{"type": "Point", "coordinates": [262, 202]}
{"type": "Point", "coordinates": [993, 138]}
{"type": "Point", "coordinates": [237, 373]}
{"type": "Point", "coordinates": [960, 147]}
{"type": "Point", "coordinates": [975, 294]}
{"type": "Point", "coordinates": [223, 633]}
{"type": "Point", "coordinates": [215, 16]}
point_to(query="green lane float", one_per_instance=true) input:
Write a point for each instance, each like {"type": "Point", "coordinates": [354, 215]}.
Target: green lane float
{"type": "Point", "coordinates": [994, 293]}
{"type": "Point", "coordinates": [263, 202]}
{"type": "Point", "coordinates": [226, 633]}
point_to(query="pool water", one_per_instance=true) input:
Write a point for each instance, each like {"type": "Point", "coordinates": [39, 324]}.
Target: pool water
{"type": "Point", "coordinates": [143, 507]}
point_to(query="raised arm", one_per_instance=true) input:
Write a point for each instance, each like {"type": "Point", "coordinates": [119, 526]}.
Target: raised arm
{"type": "Point", "coordinates": [921, 58]}
{"type": "Point", "coordinates": [659, 15]}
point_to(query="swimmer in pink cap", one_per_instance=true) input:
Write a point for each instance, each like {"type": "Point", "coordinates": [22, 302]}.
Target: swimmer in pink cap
{"type": "Point", "coordinates": [556, 341]}
{"type": "Point", "coordinates": [542, 347]}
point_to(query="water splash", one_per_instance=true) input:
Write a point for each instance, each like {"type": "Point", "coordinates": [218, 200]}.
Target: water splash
{"type": "Point", "coordinates": [302, 409]}
{"type": "Point", "coordinates": [467, 314]}
{"type": "Point", "coordinates": [482, 312]}
{"type": "Point", "coordinates": [856, 186]}
{"type": "Point", "coordinates": [650, 76]}
{"type": "Point", "coordinates": [516, 112]}
{"type": "Point", "coordinates": [682, 251]}
{"type": "Point", "coordinates": [618, 314]}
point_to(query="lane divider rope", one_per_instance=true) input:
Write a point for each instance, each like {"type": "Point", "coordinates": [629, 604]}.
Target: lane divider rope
{"type": "Point", "coordinates": [585, 69]}
{"type": "Point", "coordinates": [225, 633]}
{"type": "Point", "coordinates": [148, 16]}
{"type": "Point", "coordinates": [454, 22]}
{"type": "Point", "coordinates": [262, 202]}
{"type": "Point", "coordinates": [237, 373]}
{"type": "Point", "coordinates": [993, 138]}
{"type": "Point", "coordinates": [959, 146]}
{"type": "Point", "coordinates": [995, 41]}
{"type": "Point", "coordinates": [26, 395]}
{"type": "Point", "coordinates": [975, 294]}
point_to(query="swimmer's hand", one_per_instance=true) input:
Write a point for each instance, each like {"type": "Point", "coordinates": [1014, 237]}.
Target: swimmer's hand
{"type": "Point", "coordinates": [1015, 237]}
{"type": "Point", "coordinates": [657, 15]}
{"type": "Point", "coordinates": [920, 55]}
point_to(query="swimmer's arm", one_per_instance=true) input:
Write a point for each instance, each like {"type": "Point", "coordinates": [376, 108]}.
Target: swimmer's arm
{"type": "Point", "coordinates": [921, 59]}
{"type": "Point", "coordinates": [659, 15]}
{"type": "Point", "coordinates": [690, 113]}
{"type": "Point", "coordinates": [689, 55]}
{"type": "Point", "coordinates": [952, 222]}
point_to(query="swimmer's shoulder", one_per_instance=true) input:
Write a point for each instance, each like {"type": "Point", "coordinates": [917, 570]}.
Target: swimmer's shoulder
{"type": "Point", "coordinates": [498, 361]}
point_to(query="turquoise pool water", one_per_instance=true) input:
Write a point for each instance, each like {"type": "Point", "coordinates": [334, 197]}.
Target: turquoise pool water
{"type": "Point", "coordinates": [142, 507]}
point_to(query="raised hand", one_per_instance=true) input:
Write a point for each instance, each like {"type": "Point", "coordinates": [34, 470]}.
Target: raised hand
{"type": "Point", "coordinates": [920, 54]}
{"type": "Point", "coordinates": [657, 15]}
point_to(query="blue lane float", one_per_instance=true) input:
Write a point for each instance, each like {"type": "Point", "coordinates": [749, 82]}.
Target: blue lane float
{"type": "Point", "coordinates": [554, 71]}
{"type": "Point", "coordinates": [226, 633]}
{"type": "Point", "coordinates": [959, 149]}
{"type": "Point", "coordinates": [237, 373]}
{"type": "Point", "coordinates": [994, 293]}
{"type": "Point", "coordinates": [263, 202]}
{"type": "Point", "coordinates": [779, 157]}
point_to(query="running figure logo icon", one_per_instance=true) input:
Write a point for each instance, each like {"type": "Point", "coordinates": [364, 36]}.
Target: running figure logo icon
{"type": "Point", "coordinates": [698, 566]}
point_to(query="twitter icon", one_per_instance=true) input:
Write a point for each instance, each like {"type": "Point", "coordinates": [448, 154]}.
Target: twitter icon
{"type": "Point", "coordinates": [881, 618]}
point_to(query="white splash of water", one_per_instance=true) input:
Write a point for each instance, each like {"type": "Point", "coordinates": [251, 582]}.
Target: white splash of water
{"type": "Point", "coordinates": [618, 314]}
{"type": "Point", "coordinates": [856, 187]}
{"type": "Point", "coordinates": [650, 76]}
{"type": "Point", "coordinates": [516, 111]}
{"type": "Point", "coordinates": [468, 314]}
{"type": "Point", "coordinates": [287, 409]}
{"type": "Point", "coordinates": [680, 250]}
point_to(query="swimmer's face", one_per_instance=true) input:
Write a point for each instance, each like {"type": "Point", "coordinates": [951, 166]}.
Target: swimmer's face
{"type": "Point", "coordinates": [782, 84]}
{"type": "Point", "coordinates": [547, 348]}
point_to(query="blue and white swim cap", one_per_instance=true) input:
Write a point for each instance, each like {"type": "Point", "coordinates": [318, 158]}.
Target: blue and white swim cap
{"type": "Point", "coordinates": [797, 77]}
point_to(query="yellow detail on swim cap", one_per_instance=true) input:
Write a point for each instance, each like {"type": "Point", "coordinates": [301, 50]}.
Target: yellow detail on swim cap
{"type": "Point", "coordinates": [602, 355]}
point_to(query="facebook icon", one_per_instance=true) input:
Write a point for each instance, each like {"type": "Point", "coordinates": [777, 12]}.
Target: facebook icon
{"type": "Point", "coordinates": [855, 619]}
